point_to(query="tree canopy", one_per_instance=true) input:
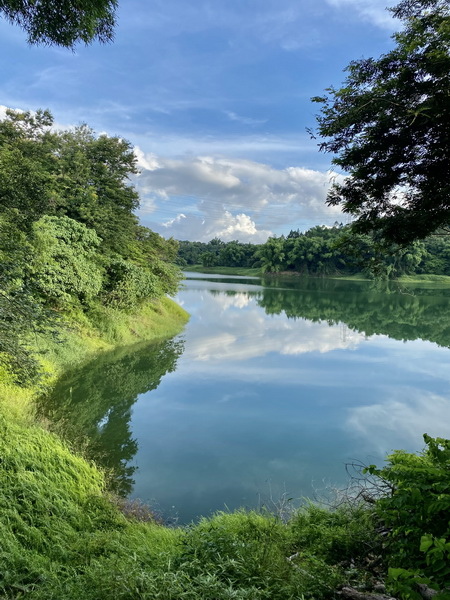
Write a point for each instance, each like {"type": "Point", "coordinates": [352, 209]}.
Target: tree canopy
{"type": "Point", "coordinates": [69, 238]}
{"type": "Point", "coordinates": [62, 23]}
{"type": "Point", "coordinates": [389, 129]}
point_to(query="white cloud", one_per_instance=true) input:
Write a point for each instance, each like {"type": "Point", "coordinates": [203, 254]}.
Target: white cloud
{"type": "Point", "coordinates": [245, 120]}
{"type": "Point", "coordinates": [147, 161]}
{"type": "Point", "coordinates": [169, 143]}
{"type": "Point", "coordinates": [240, 226]}
{"type": "Point", "coordinates": [177, 219]}
{"type": "Point", "coordinates": [373, 11]}
{"type": "Point", "coordinates": [230, 198]}
{"type": "Point", "coordinates": [225, 226]}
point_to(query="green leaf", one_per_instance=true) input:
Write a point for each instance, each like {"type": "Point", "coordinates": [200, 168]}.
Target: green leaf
{"type": "Point", "coordinates": [426, 541]}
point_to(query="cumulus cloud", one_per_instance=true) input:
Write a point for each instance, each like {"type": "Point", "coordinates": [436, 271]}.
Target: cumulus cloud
{"type": "Point", "coordinates": [225, 226]}
{"type": "Point", "coordinates": [209, 196]}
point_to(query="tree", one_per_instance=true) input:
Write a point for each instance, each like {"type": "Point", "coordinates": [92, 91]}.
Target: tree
{"type": "Point", "coordinates": [272, 255]}
{"type": "Point", "coordinates": [93, 187]}
{"type": "Point", "coordinates": [208, 259]}
{"type": "Point", "coordinates": [66, 265]}
{"type": "Point", "coordinates": [21, 312]}
{"type": "Point", "coordinates": [72, 172]}
{"type": "Point", "coordinates": [68, 232]}
{"type": "Point", "coordinates": [62, 23]}
{"type": "Point", "coordinates": [27, 160]}
{"type": "Point", "coordinates": [389, 128]}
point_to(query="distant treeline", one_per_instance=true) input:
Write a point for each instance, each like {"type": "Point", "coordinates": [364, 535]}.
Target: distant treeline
{"type": "Point", "coordinates": [324, 251]}
{"type": "Point", "coordinates": [69, 239]}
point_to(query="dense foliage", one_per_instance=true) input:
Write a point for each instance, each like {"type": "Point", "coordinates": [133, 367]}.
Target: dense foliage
{"type": "Point", "coordinates": [217, 253]}
{"type": "Point", "coordinates": [62, 23]}
{"type": "Point", "coordinates": [416, 511]}
{"type": "Point", "coordinates": [389, 129]}
{"type": "Point", "coordinates": [69, 236]}
{"type": "Point", "coordinates": [325, 251]}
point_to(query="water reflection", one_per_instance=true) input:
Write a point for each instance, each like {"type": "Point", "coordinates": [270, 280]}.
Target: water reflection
{"type": "Point", "coordinates": [399, 312]}
{"type": "Point", "coordinates": [91, 406]}
{"type": "Point", "coordinates": [281, 383]}
{"type": "Point", "coordinates": [388, 308]}
{"type": "Point", "coordinates": [400, 415]}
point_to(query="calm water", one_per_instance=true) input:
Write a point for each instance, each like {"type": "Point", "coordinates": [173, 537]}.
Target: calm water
{"type": "Point", "coordinates": [272, 388]}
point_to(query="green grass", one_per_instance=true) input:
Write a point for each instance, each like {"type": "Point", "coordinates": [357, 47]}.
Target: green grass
{"type": "Point", "coordinates": [62, 538]}
{"type": "Point", "coordinates": [442, 280]}
{"type": "Point", "coordinates": [104, 328]}
{"type": "Point", "coordinates": [224, 270]}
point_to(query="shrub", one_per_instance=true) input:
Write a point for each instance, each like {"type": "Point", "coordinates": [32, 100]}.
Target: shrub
{"type": "Point", "coordinates": [417, 515]}
{"type": "Point", "coordinates": [65, 267]}
{"type": "Point", "coordinates": [127, 284]}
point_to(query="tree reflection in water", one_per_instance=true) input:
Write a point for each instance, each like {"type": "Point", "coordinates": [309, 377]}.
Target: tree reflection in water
{"type": "Point", "coordinates": [91, 407]}
{"type": "Point", "coordinates": [384, 308]}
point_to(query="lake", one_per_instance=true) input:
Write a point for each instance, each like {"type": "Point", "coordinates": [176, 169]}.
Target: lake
{"type": "Point", "coordinates": [272, 389]}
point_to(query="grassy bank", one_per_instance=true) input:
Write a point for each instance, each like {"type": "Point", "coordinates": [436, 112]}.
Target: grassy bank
{"type": "Point", "coordinates": [63, 538]}
{"type": "Point", "coordinates": [224, 270]}
{"type": "Point", "coordinates": [82, 335]}
{"type": "Point", "coordinates": [104, 328]}
{"type": "Point", "coordinates": [440, 280]}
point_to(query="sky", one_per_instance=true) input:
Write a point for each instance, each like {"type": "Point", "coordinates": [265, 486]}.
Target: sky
{"type": "Point", "coordinates": [215, 98]}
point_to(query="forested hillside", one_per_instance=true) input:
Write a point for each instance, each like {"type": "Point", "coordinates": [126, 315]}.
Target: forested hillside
{"type": "Point", "coordinates": [69, 239]}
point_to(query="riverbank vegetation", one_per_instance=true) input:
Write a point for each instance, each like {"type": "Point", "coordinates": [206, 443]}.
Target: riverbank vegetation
{"type": "Point", "coordinates": [64, 537]}
{"type": "Point", "coordinates": [323, 251]}
{"type": "Point", "coordinates": [72, 252]}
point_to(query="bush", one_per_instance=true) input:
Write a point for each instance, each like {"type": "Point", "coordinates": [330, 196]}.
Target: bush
{"type": "Point", "coordinates": [21, 312]}
{"type": "Point", "coordinates": [345, 535]}
{"type": "Point", "coordinates": [417, 515]}
{"type": "Point", "coordinates": [65, 266]}
{"type": "Point", "coordinates": [127, 284]}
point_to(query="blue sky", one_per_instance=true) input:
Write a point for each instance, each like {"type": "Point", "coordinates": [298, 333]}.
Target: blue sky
{"type": "Point", "coordinates": [215, 97]}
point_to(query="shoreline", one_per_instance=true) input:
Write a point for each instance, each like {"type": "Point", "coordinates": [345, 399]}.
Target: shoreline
{"type": "Point", "coordinates": [430, 278]}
